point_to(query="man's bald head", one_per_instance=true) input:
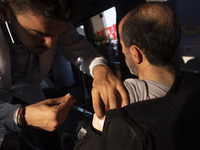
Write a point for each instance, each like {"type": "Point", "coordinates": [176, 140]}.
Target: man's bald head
{"type": "Point", "coordinates": [154, 29]}
{"type": "Point", "coordinates": [160, 13]}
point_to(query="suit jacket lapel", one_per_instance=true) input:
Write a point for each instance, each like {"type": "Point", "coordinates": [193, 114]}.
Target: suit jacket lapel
{"type": "Point", "coordinates": [5, 67]}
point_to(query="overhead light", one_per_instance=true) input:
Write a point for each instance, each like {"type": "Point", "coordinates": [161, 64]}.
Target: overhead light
{"type": "Point", "coordinates": [156, 0]}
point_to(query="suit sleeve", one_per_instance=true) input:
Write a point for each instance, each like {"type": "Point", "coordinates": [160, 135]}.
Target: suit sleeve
{"type": "Point", "coordinates": [78, 50]}
{"type": "Point", "coordinates": [6, 117]}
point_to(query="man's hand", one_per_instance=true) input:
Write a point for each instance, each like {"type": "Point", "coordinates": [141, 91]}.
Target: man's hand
{"type": "Point", "coordinates": [50, 113]}
{"type": "Point", "coordinates": [108, 91]}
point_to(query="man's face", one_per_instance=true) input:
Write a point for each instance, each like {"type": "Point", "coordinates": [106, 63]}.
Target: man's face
{"type": "Point", "coordinates": [129, 60]}
{"type": "Point", "coordinates": [126, 51]}
{"type": "Point", "coordinates": [36, 32]}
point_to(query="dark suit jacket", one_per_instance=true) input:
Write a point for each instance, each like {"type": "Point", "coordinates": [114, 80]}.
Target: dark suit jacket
{"type": "Point", "coordinates": [168, 123]}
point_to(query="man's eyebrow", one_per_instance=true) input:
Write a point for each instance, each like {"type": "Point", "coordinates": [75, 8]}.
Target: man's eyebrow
{"type": "Point", "coordinates": [41, 33]}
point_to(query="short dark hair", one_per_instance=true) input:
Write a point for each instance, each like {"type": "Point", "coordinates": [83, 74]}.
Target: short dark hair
{"type": "Point", "coordinates": [57, 9]}
{"type": "Point", "coordinates": [156, 34]}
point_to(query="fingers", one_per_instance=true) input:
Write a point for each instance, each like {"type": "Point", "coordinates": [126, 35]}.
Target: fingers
{"type": "Point", "coordinates": [64, 107]}
{"type": "Point", "coordinates": [66, 101]}
{"type": "Point", "coordinates": [112, 96]}
{"type": "Point", "coordinates": [113, 103]}
{"type": "Point", "coordinates": [98, 105]}
{"type": "Point", "coordinates": [108, 91]}
{"type": "Point", "coordinates": [57, 101]}
{"type": "Point", "coordinates": [122, 95]}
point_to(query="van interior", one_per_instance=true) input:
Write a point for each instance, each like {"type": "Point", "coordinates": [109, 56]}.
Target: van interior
{"type": "Point", "coordinates": [97, 21]}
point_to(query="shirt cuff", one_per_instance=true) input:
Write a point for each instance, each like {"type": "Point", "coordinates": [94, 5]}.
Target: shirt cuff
{"type": "Point", "coordinates": [95, 62]}
{"type": "Point", "coordinates": [15, 120]}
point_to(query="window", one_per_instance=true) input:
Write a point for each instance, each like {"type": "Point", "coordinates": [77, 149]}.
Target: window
{"type": "Point", "coordinates": [105, 33]}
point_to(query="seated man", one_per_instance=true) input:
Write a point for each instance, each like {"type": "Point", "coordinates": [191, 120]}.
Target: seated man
{"type": "Point", "coordinates": [149, 35]}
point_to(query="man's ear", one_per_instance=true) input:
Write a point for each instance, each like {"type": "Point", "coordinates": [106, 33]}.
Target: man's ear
{"type": "Point", "coordinates": [3, 11]}
{"type": "Point", "coordinates": [136, 54]}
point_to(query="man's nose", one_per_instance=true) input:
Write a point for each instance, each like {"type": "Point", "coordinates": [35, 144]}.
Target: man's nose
{"type": "Point", "coordinates": [49, 41]}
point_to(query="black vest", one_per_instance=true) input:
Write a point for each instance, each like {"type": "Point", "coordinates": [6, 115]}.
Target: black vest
{"type": "Point", "coordinates": [168, 123]}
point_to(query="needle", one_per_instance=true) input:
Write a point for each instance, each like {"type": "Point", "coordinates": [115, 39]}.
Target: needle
{"type": "Point", "coordinates": [86, 112]}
